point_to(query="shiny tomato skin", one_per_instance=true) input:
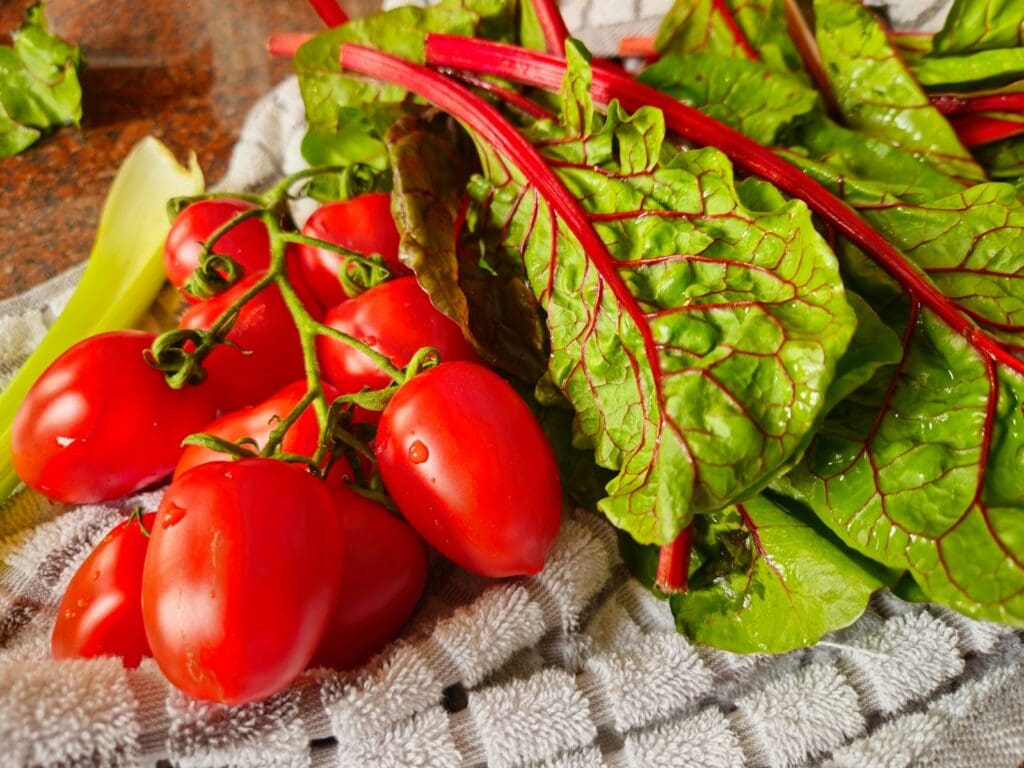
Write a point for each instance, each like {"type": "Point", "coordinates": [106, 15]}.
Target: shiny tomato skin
{"type": "Point", "coordinates": [101, 422]}
{"type": "Point", "coordinates": [396, 319]}
{"type": "Point", "coordinates": [469, 467]}
{"type": "Point", "coordinates": [385, 572]}
{"type": "Point", "coordinates": [258, 421]}
{"type": "Point", "coordinates": [101, 611]}
{"type": "Point", "coordinates": [363, 224]}
{"type": "Point", "coordinates": [241, 578]}
{"type": "Point", "coordinates": [272, 356]}
{"type": "Point", "coordinates": [248, 243]}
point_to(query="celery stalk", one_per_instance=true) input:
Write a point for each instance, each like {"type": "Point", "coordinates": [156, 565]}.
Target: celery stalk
{"type": "Point", "coordinates": [123, 276]}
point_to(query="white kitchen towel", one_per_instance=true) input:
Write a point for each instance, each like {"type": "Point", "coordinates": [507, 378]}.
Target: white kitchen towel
{"type": "Point", "coordinates": [578, 667]}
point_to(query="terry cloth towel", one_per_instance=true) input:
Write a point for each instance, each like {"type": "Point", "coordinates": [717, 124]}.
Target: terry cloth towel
{"type": "Point", "coordinates": [577, 667]}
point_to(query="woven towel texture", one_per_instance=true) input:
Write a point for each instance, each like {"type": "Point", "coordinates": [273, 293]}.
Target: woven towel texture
{"type": "Point", "coordinates": [578, 667]}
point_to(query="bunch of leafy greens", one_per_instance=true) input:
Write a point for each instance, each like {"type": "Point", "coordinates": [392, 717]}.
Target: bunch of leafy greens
{"type": "Point", "coordinates": [39, 86]}
{"type": "Point", "coordinates": [725, 360]}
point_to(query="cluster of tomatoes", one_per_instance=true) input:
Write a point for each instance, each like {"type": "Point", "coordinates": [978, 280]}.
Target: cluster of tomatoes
{"type": "Point", "coordinates": [259, 565]}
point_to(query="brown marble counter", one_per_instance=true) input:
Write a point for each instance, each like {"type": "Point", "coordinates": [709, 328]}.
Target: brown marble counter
{"type": "Point", "coordinates": [185, 71]}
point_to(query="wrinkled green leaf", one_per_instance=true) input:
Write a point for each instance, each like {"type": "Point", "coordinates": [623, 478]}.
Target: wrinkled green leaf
{"type": "Point", "coordinates": [978, 25]}
{"type": "Point", "coordinates": [1004, 159]}
{"type": "Point", "coordinates": [697, 360]}
{"type": "Point", "coordinates": [744, 94]}
{"type": "Point", "coordinates": [877, 94]}
{"type": "Point", "coordinates": [700, 26]}
{"type": "Point", "coordinates": [769, 578]}
{"type": "Point", "coordinates": [492, 304]}
{"type": "Point", "coordinates": [39, 86]}
{"type": "Point", "coordinates": [923, 469]}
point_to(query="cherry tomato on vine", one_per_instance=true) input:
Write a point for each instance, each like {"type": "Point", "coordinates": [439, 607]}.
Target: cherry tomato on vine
{"type": "Point", "coordinates": [385, 572]}
{"type": "Point", "coordinates": [101, 422]}
{"type": "Point", "coordinates": [268, 355]}
{"type": "Point", "coordinates": [259, 421]}
{"type": "Point", "coordinates": [363, 224]}
{"type": "Point", "coordinates": [101, 611]}
{"type": "Point", "coordinates": [396, 319]}
{"type": "Point", "coordinates": [241, 578]}
{"type": "Point", "coordinates": [469, 467]}
{"type": "Point", "coordinates": [247, 243]}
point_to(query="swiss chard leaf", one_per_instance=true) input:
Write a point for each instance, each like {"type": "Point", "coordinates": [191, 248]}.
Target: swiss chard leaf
{"type": "Point", "coordinates": [491, 303]}
{"type": "Point", "coordinates": [768, 578]}
{"type": "Point", "coordinates": [744, 94]}
{"type": "Point", "coordinates": [877, 94]}
{"type": "Point", "coordinates": [348, 116]}
{"type": "Point", "coordinates": [731, 29]}
{"type": "Point", "coordinates": [699, 358]}
{"type": "Point", "coordinates": [39, 86]}
{"type": "Point", "coordinates": [1004, 159]}
{"type": "Point", "coordinates": [978, 25]}
{"type": "Point", "coordinates": [984, 69]}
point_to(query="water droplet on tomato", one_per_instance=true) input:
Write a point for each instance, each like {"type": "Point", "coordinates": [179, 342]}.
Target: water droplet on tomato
{"type": "Point", "coordinates": [95, 575]}
{"type": "Point", "coordinates": [213, 594]}
{"type": "Point", "coordinates": [418, 452]}
{"type": "Point", "coordinates": [173, 514]}
{"type": "Point", "coordinates": [68, 613]}
{"type": "Point", "coordinates": [81, 602]}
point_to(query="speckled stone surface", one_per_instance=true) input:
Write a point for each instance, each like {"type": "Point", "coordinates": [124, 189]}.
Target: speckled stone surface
{"type": "Point", "coordinates": [185, 71]}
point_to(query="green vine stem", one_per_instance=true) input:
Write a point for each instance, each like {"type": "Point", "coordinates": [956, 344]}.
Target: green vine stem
{"type": "Point", "coordinates": [180, 353]}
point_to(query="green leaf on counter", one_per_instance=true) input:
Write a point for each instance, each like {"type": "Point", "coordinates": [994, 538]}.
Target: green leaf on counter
{"type": "Point", "coordinates": [39, 86]}
{"type": "Point", "coordinates": [123, 276]}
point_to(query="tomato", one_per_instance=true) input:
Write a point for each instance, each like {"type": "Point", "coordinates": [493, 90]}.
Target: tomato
{"type": "Point", "coordinates": [101, 422]}
{"type": "Point", "coordinates": [241, 577]}
{"type": "Point", "coordinates": [101, 611]}
{"type": "Point", "coordinates": [248, 243]}
{"type": "Point", "coordinates": [259, 421]}
{"type": "Point", "coordinates": [396, 319]}
{"type": "Point", "coordinates": [469, 467]}
{"type": "Point", "coordinates": [363, 224]}
{"type": "Point", "coordinates": [385, 572]}
{"type": "Point", "coordinates": [269, 353]}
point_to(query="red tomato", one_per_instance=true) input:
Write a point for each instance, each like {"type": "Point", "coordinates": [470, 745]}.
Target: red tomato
{"type": "Point", "coordinates": [363, 224]}
{"type": "Point", "coordinates": [272, 356]}
{"type": "Point", "coordinates": [248, 243]}
{"type": "Point", "coordinates": [396, 319]}
{"type": "Point", "coordinates": [241, 578]}
{"type": "Point", "coordinates": [385, 572]}
{"type": "Point", "coordinates": [259, 421]}
{"type": "Point", "coordinates": [470, 468]}
{"type": "Point", "coordinates": [101, 422]}
{"type": "Point", "coordinates": [101, 611]}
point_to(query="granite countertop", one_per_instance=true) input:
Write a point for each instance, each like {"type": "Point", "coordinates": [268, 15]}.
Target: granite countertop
{"type": "Point", "coordinates": [185, 71]}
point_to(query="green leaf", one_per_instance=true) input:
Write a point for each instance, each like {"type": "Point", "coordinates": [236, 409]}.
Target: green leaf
{"type": "Point", "coordinates": [770, 579]}
{"type": "Point", "coordinates": [923, 469]}
{"type": "Point", "coordinates": [490, 302]}
{"type": "Point", "coordinates": [122, 278]}
{"type": "Point", "coordinates": [697, 360]}
{"type": "Point", "coordinates": [1004, 159]}
{"type": "Point", "coordinates": [704, 26]}
{"type": "Point", "coordinates": [877, 94]}
{"type": "Point", "coordinates": [744, 94]}
{"type": "Point", "coordinates": [326, 92]}
{"type": "Point", "coordinates": [978, 25]}
{"type": "Point", "coordinates": [39, 86]}
{"type": "Point", "coordinates": [984, 69]}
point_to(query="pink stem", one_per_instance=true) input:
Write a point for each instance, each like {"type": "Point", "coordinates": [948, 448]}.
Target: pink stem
{"type": "Point", "coordinates": [977, 130]}
{"type": "Point", "coordinates": [552, 25]}
{"type": "Point", "coordinates": [330, 11]}
{"type": "Point", "coordinates": [674, 563]}
{"type": "Point", "coordinates": [546, 71]}
{"type": "Point", "coordinates": [954, 104]}
{"type": "Point", "coordinates": [513, 98]}
{"type": "Point", "coordinates": [734, 28]}
{"type": "Point", "coordinates": [285, 44]}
